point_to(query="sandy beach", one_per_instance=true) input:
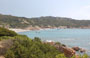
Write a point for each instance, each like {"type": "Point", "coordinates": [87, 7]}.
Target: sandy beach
{"type": "Point", "coordinates": [18, 30]}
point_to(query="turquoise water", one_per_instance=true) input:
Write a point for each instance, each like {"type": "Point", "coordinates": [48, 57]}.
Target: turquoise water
{"type": "Point", "coordinates": [69, 37]}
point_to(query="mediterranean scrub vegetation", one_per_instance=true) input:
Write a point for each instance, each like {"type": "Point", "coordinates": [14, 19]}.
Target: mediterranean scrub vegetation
{"type": "Point", "coordinates": [23, 22]}
{"type": "Point", "coordinates": [6, 32]}
{"type": "Point", "coordinates": [24, 47]}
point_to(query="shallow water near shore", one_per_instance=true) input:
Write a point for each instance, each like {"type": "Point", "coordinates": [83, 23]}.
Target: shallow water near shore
{"type": "Point", "coordinates": [69, 37]}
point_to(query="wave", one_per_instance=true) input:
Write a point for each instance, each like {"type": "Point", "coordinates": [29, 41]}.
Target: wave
{"type": "Point", "coordinates": [70, 39]}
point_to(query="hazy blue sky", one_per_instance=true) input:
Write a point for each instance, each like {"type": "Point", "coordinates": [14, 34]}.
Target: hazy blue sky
{"type": "Point", "coordinates": [79, 9]}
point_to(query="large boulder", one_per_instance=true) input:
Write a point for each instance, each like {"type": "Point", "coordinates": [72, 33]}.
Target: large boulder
{"type": "Point", "coordinates": [69, 52]}
{"type": "Point", "coordinates": [82, 50]}
{"type": "Point", "coordinates": [79, 49]}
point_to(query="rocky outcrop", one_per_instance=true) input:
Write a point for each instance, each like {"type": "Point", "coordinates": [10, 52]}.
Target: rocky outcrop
{"type": "Point", "coordinates": [79, 49]}
{"type": "Point", "coordinates": [76, 48]}
{"type": "Point", "coordinates": [82, 50]}
{"type": "Point", "coordinates": [68, 52]}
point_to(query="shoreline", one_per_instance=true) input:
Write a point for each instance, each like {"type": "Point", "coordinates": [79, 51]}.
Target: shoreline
{"type": "Point", "coordinates": [24, 30]}
{"type": "Point", "coordinates": [18, 30]}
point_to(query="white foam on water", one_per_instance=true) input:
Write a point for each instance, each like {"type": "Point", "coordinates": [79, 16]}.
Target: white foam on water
{"type": "Point", "coordinates": [70, 39]}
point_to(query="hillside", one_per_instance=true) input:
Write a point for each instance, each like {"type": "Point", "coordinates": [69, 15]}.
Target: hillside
{"type": "Point", "coordinates": [48, 21]}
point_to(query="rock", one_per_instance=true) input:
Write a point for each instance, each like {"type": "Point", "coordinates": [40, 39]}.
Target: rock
{"type": "Point", "coordinates": [69, 52]}
{"type": "Point", "coordinates": [63, 45]}
{"type": "Point", "coordinates": [76, 48]}
{"type": "Point", "coordinates": [79, 49]}
{"type": "Point", "coordinates": [60, 48]}
{"type": "Point", "coordinates": [82, 50]}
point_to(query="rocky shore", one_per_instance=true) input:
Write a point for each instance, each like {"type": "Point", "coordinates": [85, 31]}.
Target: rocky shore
{"type": "Point", "coordinates": [54, 27]}
{"type": "Point", "coordinates": [69, 52]}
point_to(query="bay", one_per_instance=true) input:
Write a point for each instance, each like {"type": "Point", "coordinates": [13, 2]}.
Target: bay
{"type": "Point", "coordinates": [69, 37]}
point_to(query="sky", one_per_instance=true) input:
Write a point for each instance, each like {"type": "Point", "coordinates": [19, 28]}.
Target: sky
{"type": "Point", "coordinates": [76, 9]}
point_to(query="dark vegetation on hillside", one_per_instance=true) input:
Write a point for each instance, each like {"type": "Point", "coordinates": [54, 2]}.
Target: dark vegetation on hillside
{"type": "Point", "coordinates": [6, 32]}
{"type": "Point", "coordinates": [22, 22]}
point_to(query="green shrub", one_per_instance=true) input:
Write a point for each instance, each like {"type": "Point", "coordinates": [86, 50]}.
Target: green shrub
{"type": "Point", "coordinates": [6, 32]}
{"type": "Point", "coordinates": [27, 48]}
{"type": "Point", "coordinates": [60, 56]}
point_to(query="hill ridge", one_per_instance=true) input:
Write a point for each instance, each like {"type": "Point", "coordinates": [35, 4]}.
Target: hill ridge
{"type": "Point", "coordinates": [42, 22]}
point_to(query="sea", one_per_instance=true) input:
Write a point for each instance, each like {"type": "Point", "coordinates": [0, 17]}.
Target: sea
{"type": "Point", "coordinates": [69, 37]}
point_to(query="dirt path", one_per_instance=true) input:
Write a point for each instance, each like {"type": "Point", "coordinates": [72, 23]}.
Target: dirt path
{"type": "Point", "coordinates": [2, 57]}
{"type": "Point", "coordinates": [4, 45]}
{"type": "Point", "coordinates": [1, 47]}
